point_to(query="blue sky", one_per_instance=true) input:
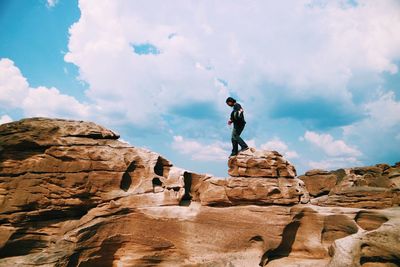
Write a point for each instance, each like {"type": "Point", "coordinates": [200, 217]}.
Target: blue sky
{"type": "Point", "coordinates": [319, 80]}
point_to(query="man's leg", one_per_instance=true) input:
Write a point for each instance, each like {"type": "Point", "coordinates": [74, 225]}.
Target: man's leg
{"type": "Point", "coordinates": [235, 144]}
{"type": "Point", "coordinates": [240, 141]}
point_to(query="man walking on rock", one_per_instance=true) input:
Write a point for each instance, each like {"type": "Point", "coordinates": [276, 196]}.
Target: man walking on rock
{"type": "Point", "coordinates": [237, 118]}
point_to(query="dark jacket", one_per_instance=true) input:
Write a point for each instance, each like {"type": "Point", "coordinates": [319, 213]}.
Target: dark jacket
{"type": "Point", "coordinates": [237, 116]}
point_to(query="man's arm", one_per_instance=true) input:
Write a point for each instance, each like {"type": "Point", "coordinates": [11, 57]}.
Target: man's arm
{"type": "Point", "coordinates": [237, 110]}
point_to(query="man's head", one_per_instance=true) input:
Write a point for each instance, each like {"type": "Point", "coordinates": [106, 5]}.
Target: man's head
{"type": "Point", "coordinates": [230, 101]}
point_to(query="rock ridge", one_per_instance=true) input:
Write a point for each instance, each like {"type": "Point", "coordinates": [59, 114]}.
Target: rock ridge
{"type": "Point", "coordinates": [71, 194]}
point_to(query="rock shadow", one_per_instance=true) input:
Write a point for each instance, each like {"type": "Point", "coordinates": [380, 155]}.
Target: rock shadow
{"type": "Point", "coordinates": [187, 197]}
{"type": "Point", "coordinates": [126, 180]}
{"type": "Point", "coordinates": [285, 247]}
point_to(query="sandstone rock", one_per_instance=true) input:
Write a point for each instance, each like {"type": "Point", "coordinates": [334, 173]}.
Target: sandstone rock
{"type": "Point", "coordinates": [368, 248]}
{"type": "Point", "coordinates": [57, 170]}
{"type": "Point", "coordinates": [370, 220]}
{"type": "Point", "coordinates": [361, 187]}
{"type": "Point", "coordinates": [260, 163]}
{"type": "Point", "coordinates": [319, 182]}
{"type": "Point", "coordinates": [244, 190]}
{"type": "Point", "coordinates": [307, 238]}
{"type": "Point", "coordinates": [71, 194]}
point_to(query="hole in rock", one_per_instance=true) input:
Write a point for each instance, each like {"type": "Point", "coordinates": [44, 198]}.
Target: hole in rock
{"type": "Point", "coordinates": [176, 188]}
{"type": "Point", "coordinates": [73, 260]}
{"type": "Point", "coordinates": [369, 220]}
{"type": "Point", "coordinates": [158, 185]}
{"type": "Point", "coordinates": [379, 261]}
{"type": "Point", "coordinates": [156, 181]}
{"type": "Point", "coordinates": [187, 197]}
{"type": "Point", "coordinates": [274, 192]}
{"type": "Point", "coordinates": [337, 226]}
{"type": "Point", "coordinates": [126, 180]}
{"type": "Point", "coordinates": [257, 238]}
{"type": "Point", "coordinates": [159, 167]}
{"type": "Point", "coordinates": [162, 167]}
{"type": "Point", "coordinates": [285, 247]}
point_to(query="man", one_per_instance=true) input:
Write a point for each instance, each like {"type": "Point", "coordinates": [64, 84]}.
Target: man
{"type": "Point", "coordinates": [237, 118]}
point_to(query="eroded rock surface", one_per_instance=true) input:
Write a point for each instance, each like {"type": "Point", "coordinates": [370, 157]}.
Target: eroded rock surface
{"type": "Point", "coordinates": [260, 163]}
{"type": "Point", "coordinates": [71, 194]}
{"type": "Point", "coordinates": [361, 187]}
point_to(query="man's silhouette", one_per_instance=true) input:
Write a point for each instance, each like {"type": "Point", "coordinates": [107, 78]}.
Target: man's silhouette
{"type": "Point", "coordinates": [237, 118]}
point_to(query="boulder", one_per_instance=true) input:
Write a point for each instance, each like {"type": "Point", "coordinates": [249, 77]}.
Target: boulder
{"type": "Point", "coordinates": [319, 182]}
{"type": "Point", "coordinates": [260, 163]}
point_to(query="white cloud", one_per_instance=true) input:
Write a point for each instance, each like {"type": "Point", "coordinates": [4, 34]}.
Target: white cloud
{"type": "Point", "coordinates": [201, 42]}
{"type": "Point", "coordinates": [330, 146]}
{"type": "Point", "coordinates": [379, 130]}
{"type": "Point", "coordinates": [281, 147]}
{"type": "Point", "coordinates": [385, 111]}
{"type": "Point", "coordinates": [49, 102]}
{"type": "Point", "coordinates": [13, 86]}
{"type": "Point", "coordinates": [52, 3]}
{"type": "Point", "coordinates": [15, 93]}
{"type": "Point", "coordinates": [382, 117]}
{"type": "Point", "coordinates": [216, 151]}
{"type": "Point", "coordinates": [5, 119]}
{"type": "Point", "coordinates": [334, 163]}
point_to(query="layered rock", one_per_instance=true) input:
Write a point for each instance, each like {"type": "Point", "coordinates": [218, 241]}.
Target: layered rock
{"type": "Point", "coordinates": [361, 187]}
{"type": "Point", "coordinates": [259, 177]}
{"type": "Point", "coordinates": [71, 194]}
{"type": "Point", "coordinates": [260, 163]}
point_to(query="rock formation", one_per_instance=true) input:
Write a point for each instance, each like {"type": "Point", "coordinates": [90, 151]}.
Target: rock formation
{"type": "Point", "coordinates": [71, 194]}
{"type": "Point", "coordinates": [361, 187]}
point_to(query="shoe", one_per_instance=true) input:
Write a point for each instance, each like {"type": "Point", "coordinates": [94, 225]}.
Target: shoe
{"type": "Point", "coordinates": [233, 154]}
{"type": "Point", "coordinates": [243, 149]}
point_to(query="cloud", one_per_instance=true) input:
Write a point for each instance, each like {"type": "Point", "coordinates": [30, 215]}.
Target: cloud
{"type": "Point", "coordinates": [378, 132]}
{"type": "Point", "coordinates": [216, 151]}
{"type": "Point", "coordinates": [382, 118]}
{"type": "Point", "coordinates": [5, 119]}
{"type": "Point", "coordinates": [334, 163]}
{"type": "Point", "coordinates": [385, 110]}
{"type": "Point", "coordinates": [329, 146]}
{"type": "Point", "coordinates": [16, 94]}
{"type": "Point", "coordinates": [315, 112]}
{"type": "Point", "coordinates": [280, 146]}
{"type": "Point", "coordinates": [181, 57]}
{"type": "Point", "coordinates": [13, 86]}
{"type": "Point", "coordinates": [51, 3]}
{"type": "Point", "coordinates": [49, 102]}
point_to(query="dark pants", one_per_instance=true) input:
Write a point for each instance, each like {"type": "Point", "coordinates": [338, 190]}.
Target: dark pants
{"type": "Point", "coordinates": [236, 139]}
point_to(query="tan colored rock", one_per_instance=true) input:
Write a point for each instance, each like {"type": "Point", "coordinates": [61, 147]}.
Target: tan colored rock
{"type": "Point", "coordinates": [71, 194]}
{"type": "Point", "coordinates": [361, 187]}
{"type": "Point", "coordinates": [319, 182]}
{"type": "Point", "coordinates": [377, 247]}
{"type": "Point", "coordinates": [244, 190]}
{"type": "Point", "coordinates": [370, 220]}
{"type": "Point", "coordinates": [260, 163]}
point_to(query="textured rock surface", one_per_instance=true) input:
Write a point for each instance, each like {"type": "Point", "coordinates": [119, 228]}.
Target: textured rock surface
{"type": "Point", "coordinates": [71, 194]}
{"type": "Point", "coordinates": [260, 163]}
{"type": "Point", "coordinates": [361, 187]}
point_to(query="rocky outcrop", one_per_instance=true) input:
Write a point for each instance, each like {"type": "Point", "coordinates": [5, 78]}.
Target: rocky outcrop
{"type": "Point", "coordinates": [378, 247]}
{"type": "Point", "coordinates": [361, 187]}
{"type": "Point", "coordinates": [259, 177]}
{"type": "Point", "coordinates": [71, 194]}
{"type": "Point", "coordinates": [260, 163]}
